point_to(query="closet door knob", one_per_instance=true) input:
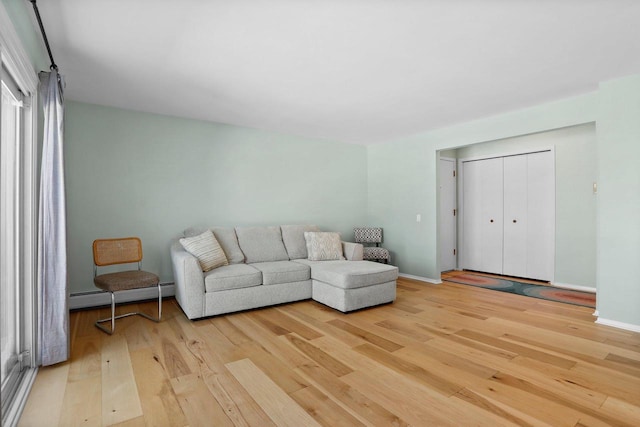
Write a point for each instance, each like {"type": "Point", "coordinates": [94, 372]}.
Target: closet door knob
{"type": "Point", "coordinates": [491, 221]}
{"type": "Point", "coordinates": [514, 221]}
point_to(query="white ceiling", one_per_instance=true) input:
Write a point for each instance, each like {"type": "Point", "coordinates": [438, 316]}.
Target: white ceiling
{"type": "Point", "coordinates": [360, 71]}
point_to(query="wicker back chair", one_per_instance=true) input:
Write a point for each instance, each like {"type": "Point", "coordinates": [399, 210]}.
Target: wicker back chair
{"type": "Point", "coordinates": [126, 250]}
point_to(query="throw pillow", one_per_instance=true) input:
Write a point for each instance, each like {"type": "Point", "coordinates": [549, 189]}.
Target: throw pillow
{"type": "Point", "coordinates": [227, 239]}
{"type": "Point", "coordinates": [206, 248]}
{"type": "Point", "coordinates": [323, 246]}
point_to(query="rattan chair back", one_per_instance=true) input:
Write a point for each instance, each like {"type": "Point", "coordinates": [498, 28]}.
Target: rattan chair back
{"type": "Point", "coordinates": [117, 251]}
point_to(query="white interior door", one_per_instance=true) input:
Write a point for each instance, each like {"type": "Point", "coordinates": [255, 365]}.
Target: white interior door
{"type": "Point", "coordinates": [447, 228]}
{"type": "Point", "coordinates": [514, 262]}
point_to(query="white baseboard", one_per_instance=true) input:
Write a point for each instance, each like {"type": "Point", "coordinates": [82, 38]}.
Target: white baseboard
{"type": "Point", "coordinates": [100, 298]}
{"type": "Point", "coordinates": [574, 287]}
{"type": "Point", "coordinates": [619, 325]}
{"type": "Point", "coordinates": [420, 278]}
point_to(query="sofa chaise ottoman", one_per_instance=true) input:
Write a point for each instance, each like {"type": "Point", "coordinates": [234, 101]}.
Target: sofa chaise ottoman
{"type": "Point", "coordinates": [270, 265]}
{"type": "Point", "coordinates": [351, 285]}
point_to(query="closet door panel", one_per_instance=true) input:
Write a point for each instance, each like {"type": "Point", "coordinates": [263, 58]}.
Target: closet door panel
{"type": "Point", "coordinates": [515, 216]}
{"type": "Point", "coordinates": [491, 172]}
{"type": "Point", "coordinates": [472, 220]}
{"type": "Point", "coordinates": [541, 213]}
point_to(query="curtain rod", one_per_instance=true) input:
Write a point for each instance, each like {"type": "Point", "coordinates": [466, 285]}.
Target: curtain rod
{"type": "Point", "coordinates": [53, 65]}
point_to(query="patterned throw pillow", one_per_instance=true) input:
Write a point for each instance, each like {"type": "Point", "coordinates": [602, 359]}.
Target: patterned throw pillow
{"type": "Point", "coordinates": [206, 248]}
{"type": "Point", "coordinates": [323, 246]}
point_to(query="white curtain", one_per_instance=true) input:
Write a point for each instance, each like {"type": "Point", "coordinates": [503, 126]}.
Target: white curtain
{"type": "Point", "coordinates": [53, 322]}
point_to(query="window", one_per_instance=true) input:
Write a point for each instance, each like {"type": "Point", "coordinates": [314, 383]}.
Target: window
{"type": "Point", "coordinates": [18, 84]}
{"type": "Point", "coordinates": [10, 126]}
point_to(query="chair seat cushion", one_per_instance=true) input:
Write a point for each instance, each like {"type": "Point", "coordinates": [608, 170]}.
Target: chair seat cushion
{"type": "Point", "coordinates": [232, 276]}
{"type": "Point", "coordinates": [123, 280]}
{"type": "Point", "coordinates": [375, 253]}
{"type": "Point", "coordinates": [277, 272]}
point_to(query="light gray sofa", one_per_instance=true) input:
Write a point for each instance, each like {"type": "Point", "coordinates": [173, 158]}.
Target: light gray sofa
{"type": "Point", "coordinates": [268, 265]}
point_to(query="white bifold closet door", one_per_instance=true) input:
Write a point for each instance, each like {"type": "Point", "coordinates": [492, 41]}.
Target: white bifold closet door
{"type": "Point", "coordinates": [541, 215]}
{"type": "Point", "coordinates": [483, 213]}
{"type": "Point", "coordinates": [509, 215]}
{"type": "Point", "coordinates": [514, 258]}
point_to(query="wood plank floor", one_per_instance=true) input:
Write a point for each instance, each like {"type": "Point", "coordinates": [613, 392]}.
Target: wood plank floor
{"type": "Point", "coordinates": [441, 355]}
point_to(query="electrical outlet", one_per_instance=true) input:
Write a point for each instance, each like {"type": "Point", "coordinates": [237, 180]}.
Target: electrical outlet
{"type": "Point", "coordinates": [418, 218]}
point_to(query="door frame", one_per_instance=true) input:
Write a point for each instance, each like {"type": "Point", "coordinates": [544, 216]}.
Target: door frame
{"type": "Point", "coordinates": [460, 190]}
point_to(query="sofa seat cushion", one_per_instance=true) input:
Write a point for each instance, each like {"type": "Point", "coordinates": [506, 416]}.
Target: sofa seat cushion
{"type": "Point", "coordinates": [276, 272]}
{"type": "Point", "coordinates": [232, 276]}
{"type": "Point", "coordinates": [351, 274]}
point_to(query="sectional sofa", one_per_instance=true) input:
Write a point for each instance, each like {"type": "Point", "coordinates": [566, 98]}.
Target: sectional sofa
{"type": "Point", "coordinates": [271, 265]}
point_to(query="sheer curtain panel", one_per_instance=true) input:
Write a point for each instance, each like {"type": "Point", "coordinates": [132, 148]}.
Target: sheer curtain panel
{"type": "Point", "coordinates": [52, 239]}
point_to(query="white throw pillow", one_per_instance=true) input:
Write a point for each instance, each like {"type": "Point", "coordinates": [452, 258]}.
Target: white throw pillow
{"type": "Point", "coordinates": [206, 248]}
{"type": "Point", "coordinates": [323, 246]}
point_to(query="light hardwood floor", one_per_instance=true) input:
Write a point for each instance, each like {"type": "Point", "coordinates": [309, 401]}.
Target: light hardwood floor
{"type": "Point", "coordinates": [448, 354]}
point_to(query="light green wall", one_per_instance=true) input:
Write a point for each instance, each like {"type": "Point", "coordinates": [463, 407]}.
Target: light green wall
{"type": "Point", "coordinates": [575, 159]}
{"type": "Point", "coordinates": [401, 186]}
{"type": "Point", "coordinates": [131, 173]}
{"type": "Point", "coordinates": [20, 12]}
{"type": "Point", "coordinates": [618, 131]}
{"type": "Point", "coordinates": [403, 175]}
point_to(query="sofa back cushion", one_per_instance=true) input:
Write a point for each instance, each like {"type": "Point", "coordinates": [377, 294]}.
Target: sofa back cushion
{"type": "Point", "coordinates": [293, 238]}
{"type": "Point", "coordinates": [227, 239]}
{"type": "Point", "coordinates": [261, 244]}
